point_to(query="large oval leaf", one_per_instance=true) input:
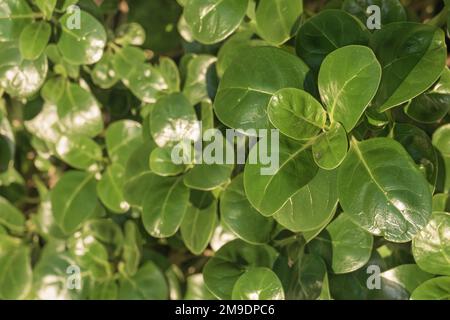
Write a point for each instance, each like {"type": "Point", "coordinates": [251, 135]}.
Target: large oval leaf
{"type": "Point", "coordinates": [390, 10]}
{"type": "Point", "coordinates": [164, 206]}
{"type": "Point", "coordinates": [212, 21]}
{"type": "Point", "coordinates": [249, 83]}
{"type": "Point", "coordinates": [268, 193]}
{"type": "Point", "coordinates": [346, 257]}
{"type": "Point", "coordinates": [431, 247]}
{"type": "Point", "coordinates": [239, 215]}
{"type": "Point", "coordinates": [411, 63]}
{"type": "Point", "coordinates": [276, 19]}
{"type": "Point", "coordinates": [326, 32]}
{"type": "Point", "coordinates": [19, 77]}
{"type": "Point", "coordinates": [382, 190]}
{"type": "Point", "coordinates": [311, 206]}
{"type": "Point", "coordinates": [83, 44]}
{"type": "Point", "coordinates": [74, 200]}
{"type": "Point", "coordinates": [348, 80]}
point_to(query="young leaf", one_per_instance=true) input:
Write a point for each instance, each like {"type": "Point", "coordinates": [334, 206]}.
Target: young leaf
{"type": "Point", "coordinates": [34, 39]}
{"type": "Point", "coordinates": [83, 43]}
{"type": "Point", "coordinates": [330, 148]}
{"type": "Point", "coordinates": [348, 81]}
{"type": "Point", "coordinates": [211, 21]}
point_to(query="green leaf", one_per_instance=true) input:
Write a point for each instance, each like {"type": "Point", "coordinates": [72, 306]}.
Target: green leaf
{"type": "Point", "coordinates": [231, 261]}
{"type": "Point", "coordinates": [172, 120]}
{"type": "Point", "coordinates": [7, 142]}
{"type": "Point", "coordinates": [417, 143]}
{"type": "Point", "coordinates": [240, 217]}
{"type": "Point", "coordinates": [103, 74]}
{"type": "Point", "coordinates": [132, 247]}
{"type": "Point", "coordinates": [10, 217]}
{"type": "Point", "coordinates": [431, 246]}
{"type": "Point", "coordinates": [15, 269]}
{"type": "Point", "coordinates": [130, 34]}
{"type": "Point", "coordinates": [122, 138]}
{"type": "Point", "coordinates": [164, 206]}
{"type": "Point", "coordinates": [15, 15]}
{"type": "Point", "coordinates": [327, 31]}
{"type": "Point", "coordinates": [382, 190]}
{"type": "Point", "coordinates": [408, 276]}
{"type": "Point", "coordinates": [330, 148]}
{"type": "Point", "coordinates": [212, 21]}
{"type": "Point", "coordinates": [127, 60]}
{"type": "Point", "coordinates": [268, 193]}
{"type": "Point", "coordinates": [441, 202]}
{"type": "Point", "coordinates": [391, 10]}
{"type": "Point", "coordinates": [441, 141]}
{"type": "Point", "coordinates": [109, 189]}
{"type": "Point", "coordinates": [19, 77]}
{"type": "Point", "coordinates": [79, 152]}
{"type": "Point", "coordinates": [296, 113]}
{"type": "Point", "coordinates": [74, 200]}
{"type": "Point", "coordinates": [411, 63]}
{"type": "Point", "coordinates": [348, 80]}
{"type": "Point", "coordinates": [276, 19]}
{"type": "Point", "coordinates": [34, 39]}
{"type": "Point", "coordinates": [146, 82]}
{"type": "Point", "coordinates": [343, 235]}
{"type": "Point", "coordinates": [162, 164]}
{"type": "Point", "coordinates": [82, 44]}
{"type": "Point", "coordinates": [312, 205]}
{"type": "Point", "coordinates": [79, 112]}
{"type": "Point", "coordinates": [169, 71]}
{"type": "Point", "coordinates": [433, 289]}
{"type": "Point", "coordinates": [196, 84]}
{"type": "Point", "coordinates": [198, 224]}
{"type": "Point", "coordinates": [258, 284]}
{"type": "Point", "coordinates": [46, 7]}
{"type": "Point", "coordinates": [53, 89]}
{"type": "Point", "coordinates": [250, 82]}
{"type": "Point", "coordinates": [432, 105]}
{"type": "Point", "coordinates": [147, 284]}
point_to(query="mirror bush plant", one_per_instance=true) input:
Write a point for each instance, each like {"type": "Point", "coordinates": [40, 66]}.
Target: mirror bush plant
{"type": "Point", "coordinates": [95, 95]}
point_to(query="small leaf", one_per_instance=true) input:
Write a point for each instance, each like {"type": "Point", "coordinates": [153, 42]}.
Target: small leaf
{"type": "Point", "coordinates": [10, 217]}
{"type": "Point", "coordinates": [162, 164]}
{"type": "Point", "coordinates": [34, 39]}
{"type": "Point", "coordinates": [122, 138]}
{"type": "Point", "coordinates": [331, 147]}
{"type": "Point", "coordinates": [82, 44]}
{"type": "Point", "coordinates": [296, 113]}
{"type": "Point", "coordinates": [348, 81]}
{"type": "Point", "coordinates": [79, 152]}
{"type": "Point", "coordinates": [109, 189]}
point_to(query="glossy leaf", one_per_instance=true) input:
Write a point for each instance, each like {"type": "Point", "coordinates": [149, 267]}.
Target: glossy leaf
{"type": "Point", "coordinates": [33, 40]}
{"type": "Point", "coordinates": [110, 189]}
{"type": "Point", "coordinates": [296, 113]}
{"type": "Point", "coordinates": [431, 247]}
{"type": "Point", "coordinates": [73, 200]}
{"type": "Point", "coordinates": [83, 43]}
{"type": "Point", "coordinates": [212, 21]}
{"type": "Point", "coordinates": [276, 19]}
{"type": "Point", "coordinates": [79, 152]}
{"type": "Point", "coordinates": [239, 215]}
{"type": "Point", "coordinates": [348, 81]}
{"type": "Point", "coordinates": [330, 148]}
{"type": "Point", "coordinates": [411, 63]}
{"type": "Point", "coordinates": [390, 10]}
{"type": "Point", "coordinates": [258, 284]}
{"type": "Point", "coordinates": [312, 205]}
{"type": "Point", "coordinates": [382, 191]}
{"type": "Point", "coordinates": [122, 138]}
{"type": "Point", "coordinates": [162, 164]}
{"type": "Point", "coordinates": [327, 31]}
{"type": "Point", "coordinates": [294, 160]}
{"type": "Point", "coordinates": [249, 83]}
{"type": "Point", "coordinates": [433, 289]}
